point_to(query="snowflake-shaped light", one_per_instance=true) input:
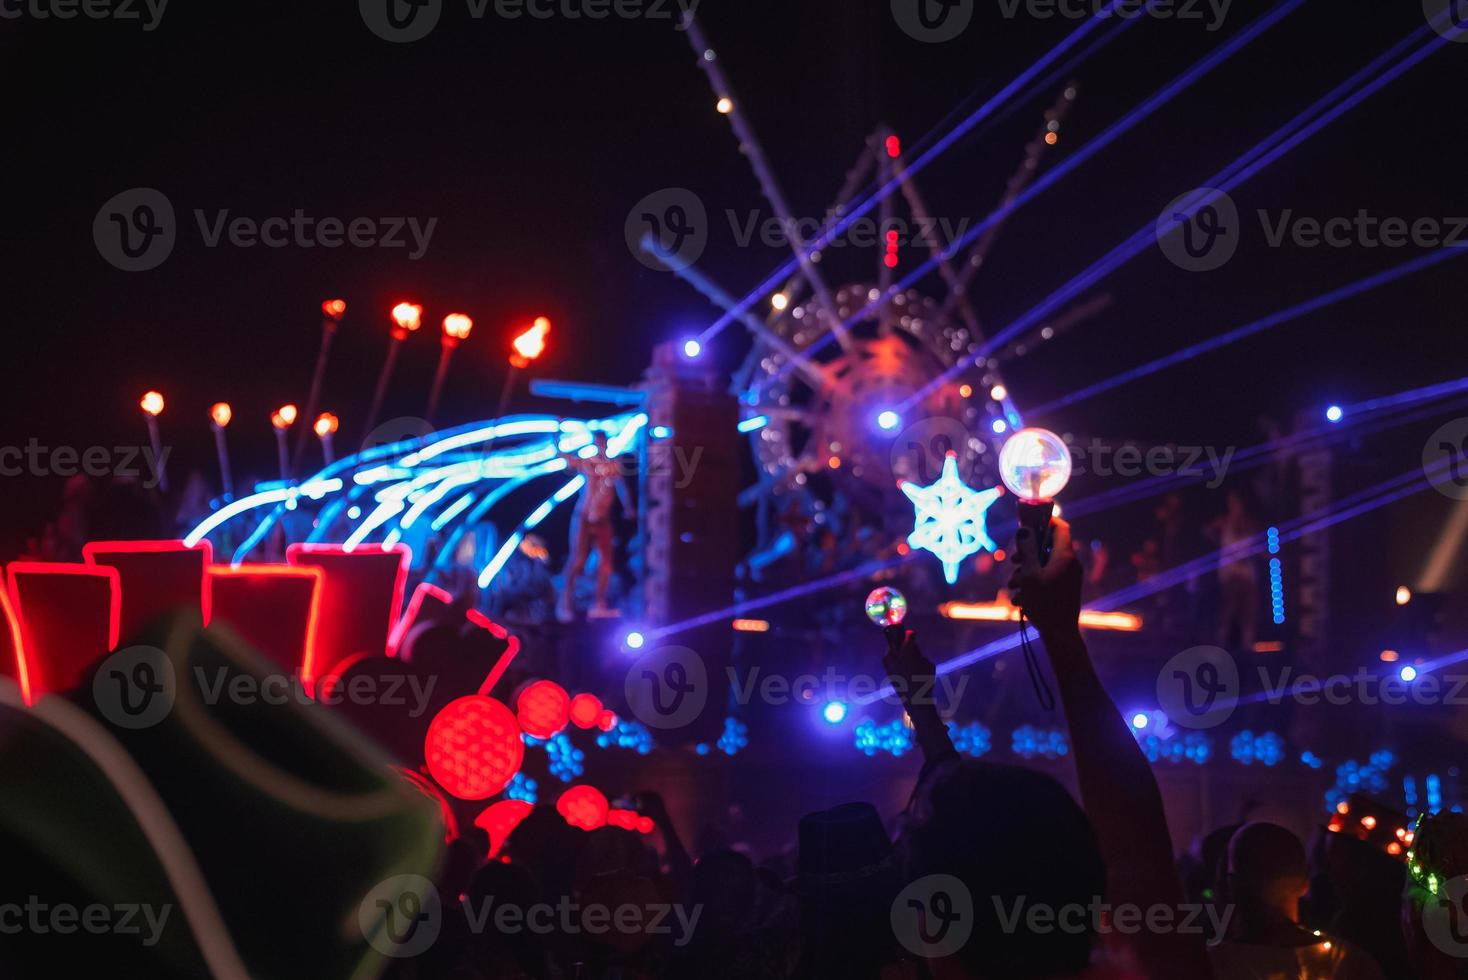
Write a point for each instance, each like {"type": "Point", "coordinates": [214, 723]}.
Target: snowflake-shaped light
{"type": "Point", "coordinates": [950, 518]}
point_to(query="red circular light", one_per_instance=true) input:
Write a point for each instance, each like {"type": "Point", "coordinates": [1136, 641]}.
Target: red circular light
{"type": "Point", "coordinates": [585, 710]}
{"type": "Point", "coordinates": [607, 720]}
{"type": "Point", "coordinates": [894, 146]}
{"type": "Point", "coordinates": [544, 708]}
{"type": "Point", "coordinates": [473, 747]}
{"type": "Point", "coordinates": [583, 806]}
{"type": "Point", "coordinates": [500, 819]}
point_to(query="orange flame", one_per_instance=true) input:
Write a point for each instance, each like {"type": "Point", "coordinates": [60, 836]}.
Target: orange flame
{"type": "Point", "coordinates": [326, 424]}
{"type": "Point", "coordinates": [284, 417]}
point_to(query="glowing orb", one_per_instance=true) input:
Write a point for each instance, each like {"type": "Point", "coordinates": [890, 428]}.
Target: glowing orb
{"type": "Point", "coordinates": [473, 747]}
{"type": "Point", "coordinates": [630, 820]}
{"type": "Point", "coordinates": [585, 710]}
{"type": "Point", "coordinates": [834, 712]}
{"type": "Point", "coordinates": [500, 819]}
{"type": "Point", "coordinates": [1035, 464]}
{"type": "Point", "coordinates": [584, 806]}
{"type": "Point", "coordinates": [607, 720]}
{"type": "Point", "coordinates": [950, 518]}
{"type": "Point", "coordinates": [886, 606]}
{"type": "Point", "coordinates": [543, 708]}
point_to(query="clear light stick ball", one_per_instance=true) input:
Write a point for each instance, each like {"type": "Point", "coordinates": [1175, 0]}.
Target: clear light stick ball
{"type": "Point", "coordinates": [1035, 464]}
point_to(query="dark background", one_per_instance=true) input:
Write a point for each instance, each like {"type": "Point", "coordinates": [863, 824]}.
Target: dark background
{"type": "Point", "coordinates": [530, 141]}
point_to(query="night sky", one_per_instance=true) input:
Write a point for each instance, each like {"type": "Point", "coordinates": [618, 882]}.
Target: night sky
{"type": "Point", "coordinates": [530, 140]}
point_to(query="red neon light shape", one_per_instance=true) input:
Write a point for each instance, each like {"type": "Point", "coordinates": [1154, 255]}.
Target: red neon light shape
{"type": "Point", "coordinates": [264, 603]}
{"type": "Point", "coordinates": [584, 806]}
{"type": "Point", "coordinates": [473, 748]}
{"type": "Point", "coordinates": [60, 637]}
{"type": "Point", "coordinates": [585, 710]}
{"type": "Point", "coordinates": [543, 708]}
{"type": "Point", "coordinates": [512, 648]}
{"type": "Point", "coordinates": [17, 644]}
{"type": "Point", "coordinates": [500, 819]}
{"type": "Point", "coordinates": [409, 619]}
{"type": "Point", "coordinates": [157, 577]}
{"type": "Point", "coordinates": [356, 585]}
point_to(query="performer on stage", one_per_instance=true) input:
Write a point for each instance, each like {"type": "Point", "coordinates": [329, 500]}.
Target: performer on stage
{"type": "Point", "coordinates": [591, 526]}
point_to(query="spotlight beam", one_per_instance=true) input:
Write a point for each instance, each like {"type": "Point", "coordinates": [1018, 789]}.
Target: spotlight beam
{"type": "Point", "coordinates": [1118, 129]}
{"type": "Point", "coordinates": [1098, 20]}
{"type": "Point", "coordinates": [1286, 315]}
{"type": "Point", "coordinates": [1276, 145]}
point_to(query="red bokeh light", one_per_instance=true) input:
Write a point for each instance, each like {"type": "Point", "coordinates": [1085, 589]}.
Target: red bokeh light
{"type": "Point", "coordinates": [585, 710]}
{"type": "Point", "coordinates": [584, 806]}
{"type": "Point", "coordinates": [334, 309]}
{"type": "Point", "coordinates": [894, 147]}
{"type": "Point", "coordinates": [630, 820]}
{"type": "Point", "coordinates": [607, 720]}
{"type": "Point", "coordinates": [544, 708]}
{"type": "Point", "coordinates": [473, 747]}
{"type": "Point", "coordinates": [530, 344]}
{"type": "Point", "coordinates": [152, 403]}
{"type": "Point", "coordinates": [407, 316]}
{"type": "Point", "coordinates": [221, 413]}
{"type": "Point", "coordinates": [500, 819]}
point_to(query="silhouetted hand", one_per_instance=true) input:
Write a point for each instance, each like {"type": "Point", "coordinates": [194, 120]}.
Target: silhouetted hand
{"type": "Point", "coordinates": [1050, 596]}
{"type": "Point", "coordinates": [906, 663]}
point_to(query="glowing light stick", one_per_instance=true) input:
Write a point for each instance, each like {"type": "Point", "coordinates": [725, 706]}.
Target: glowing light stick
{"type": "Point", "coordinates": [1035, 465]}
{"type": "Point", "coordinates": [325, 427]}
{"type": "Point", "coordinates": [332, 311]}
{"type": "Point", "coordinates": [152, 406]}
{"type": "Point", "coordinates": [219, 416]}
{"type": "Point", "coordinates": [282, 419]}
{"type": "Point", "coordinates": [406, 318]}
{"type": "Point", "coordinates": [456, 327]}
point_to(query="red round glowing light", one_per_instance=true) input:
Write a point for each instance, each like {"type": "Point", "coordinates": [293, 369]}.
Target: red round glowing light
{"type": "Point", "coordinates": [221, 413]}
{"type": "Point", "coordinates": [607, 720]}
{"type": "Point", "coordinates": [894, 147]}
{"type": "Point", "coordinates": [584, 806]}
{"type": "Point", "coordinates": [544, 708]}
{"type": "Point", "coordinates": [334, 309]}
{"type": "Point", "coordinates": [326, 424]}
{"type": "Point", "coordinates": [152, 403]}
{"type": "Point", "coordinates": [407, 316]}
{"type": "Point", "coordinates": [585, 710]}
{"type": "Point", "coordinates": [456, 326]}
{"type": "Point", "coordinates": [500, 819]}
{"type": "Point", "coordinates": [284, 417]}
{"type": "Point", "coordinates": [473, 747]}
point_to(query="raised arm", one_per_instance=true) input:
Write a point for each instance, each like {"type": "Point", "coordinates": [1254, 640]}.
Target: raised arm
{"type": "Point", "coordinates": [1118, 790]}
